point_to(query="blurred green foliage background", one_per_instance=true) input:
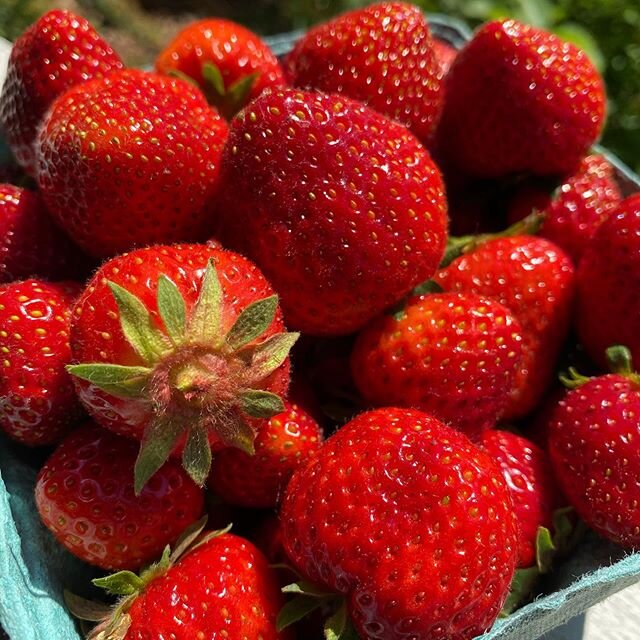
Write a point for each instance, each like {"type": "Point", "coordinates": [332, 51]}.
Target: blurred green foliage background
{"type": "Point", "coordinates": [609, 30]}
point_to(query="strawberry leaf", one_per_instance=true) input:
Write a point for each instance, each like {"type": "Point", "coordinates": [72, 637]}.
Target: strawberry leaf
{"type": "Point", "coordinates": [522, 586]}
{"type": "Point", "coordinates": [269, 355]}
{"type": "Point", "coordinates": [116, 629]}
{"type": "Point", "coordinates": [295, 610]}
{"type": "Point", "coordinates": [115, 379]}
{"type": "Point", "coordinates": [619, 360]}
{"type": "Point", "coordinates": [206, 319]}
{"type": "Point", "coordinates": [123, 583]}
{"type": "Point", "coordinates": [176, 73]}
{"type": "Point", "coordinates": [196, 457]}
{"type": "Point", "coordinates": [239, 91]}
{"type": "Point", "coordinates": [254, 320]}
{"type": "Point", "coordinates": [339, 625]}
{"type": "Point", "coordinates": [86, 609]}
{"type": "Point", "coordinates": [260, 404]}
{"type": "Point", "coordinates": [306, 588]}
{"type": "Point", "coordinates": [171, 307]}
{"type": "Point", "coordinates": [545, 550]}
{"type": "Point", "coordinates": [234, 432]}
{"type": "Point", "coordinates": [211, 73]}
{"type": "Point", "coordinates": [573, 378]}
{"type": "Point", "coordinates": [187, 538]}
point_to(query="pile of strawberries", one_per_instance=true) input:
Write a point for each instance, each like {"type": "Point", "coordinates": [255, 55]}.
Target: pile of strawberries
{"type": "Point", "coordinates": [231, 286]}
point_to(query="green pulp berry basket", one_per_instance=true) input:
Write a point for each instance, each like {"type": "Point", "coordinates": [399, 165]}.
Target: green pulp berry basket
{"type": "Point", "coordinates": [34, 569]}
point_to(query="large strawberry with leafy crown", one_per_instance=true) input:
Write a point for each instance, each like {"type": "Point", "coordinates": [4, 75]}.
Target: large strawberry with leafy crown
{"type": "Point", "coordinates": [231, 64]}
{"type": "Point", "coordinates": [55, 53]}
{"type": "Point", "coordinates": [520, 100]}
{"type": "Point", "coordinates": [181, 347]}
{"type": "Point", "coordinates": [407, 520]}
{"type": "Point", "coordinates": [342, 209]}
{"type": "Point", "coordinates": [131, 159]}
{"type": "Point", "coordinates": [454, 355]}
{"type": "Point", "coordinates": [38, 404]}
{"type": "Point", "coordinates": [608, 281]}
{"type": "Point", "coordinates": [382, 55]}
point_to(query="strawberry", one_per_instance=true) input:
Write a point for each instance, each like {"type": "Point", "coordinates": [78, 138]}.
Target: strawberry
{"type": "Point", "coordinates": [407, 520]}
{"type": "Point", "coordinates": [231, 64]}
{"type": "Point", "coordinates": [38, 405]}
{"type": "Point", "coordinates": [519, 99]}
{"type": "Point", "coordinates": [382, 55]}
{"type": "Point", "coordinates": [283, 443]}
{"type": "Point", "coordinates": [593, 434]}
{"type": "Point", "coordinates": [57, 52]}
{"type": "Point", "coordinates": [182, 347]}
{"type": "Point", "coordinates": [30, 244]}
{"type": "Point", "coordinates": [577, 207]}
{"type": "Point", "coordinates": [445, 56]}
{"type": "Point", "coordinates": [454, 355]}
{"type": "Point", "coordinates": [215, 585]}
{"type": "Point", "coordinates": [84, 494]}
{"type": "Point", "coordinates": [534, 279]}
{"type": "Point", "coordinates": [343, 209]}
{"type": "Point", "coordinates": [529, 476]}
{"type": "Point", "coordinates": [608, 281]}
{"type": "Point", "coordinates": [131, 159]}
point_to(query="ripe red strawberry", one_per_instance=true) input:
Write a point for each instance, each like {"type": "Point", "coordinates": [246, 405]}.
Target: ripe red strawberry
{"type": "Point", "coordinates": [38, 405]}
{"type": "Point", "coordinates": [131, 159]}
{"type": "Point", "coordinates": [535, 280]}
{"type": "Point", "coordinates": [84, 494]}
{"type": "Point", "coordinates": [608, 281]}
{"type": "Point", "coordinates": [407, 520]}
{"type": "Point", "coordinates": [30, 243]}
{"type": "Point", "coordinates": [529, 476]}
{"type": "Point", "coordinates": [382, 55]}
{"type": "Point", "coordinates": [519, 99]}
{"type": "Point", "coordinates": [182, 348]}
{"type": "Point", "coordinates": [231, 64]}
{"type": "Point", "coordinates": [57, 52]}
{"type": "Point", "coordinates": [283, 443]}
{"type": "Point", "coordinates": [577, 207]}
{"type": "Point", "coordinates": [342, 209]}
{"type": "Point", "coordinates": [453, 355]}
{"type": "Point", "coordinates": [593, 435]}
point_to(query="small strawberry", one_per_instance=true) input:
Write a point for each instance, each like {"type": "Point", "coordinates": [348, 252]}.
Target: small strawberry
{"type": "Point", "coordinates": [341, 208]}
{"type": "Point", "coordinates": [57, 52]}
{"type": "Point", "coordinates": [131, 159]}
{"type": "Point", "coordinates": [283, 443]}
{"type": "Point", "coordinates": [182, 347]}
{"type": "Point", "coordinates": [215, 585]}
{"type": "Point", "coordinates": [382, 55]}
{"type": "Point", "coordinates": [534, 279]}
{"type": "Point", "coordinates": [577, 207]}
{"type": "Point", "coordinates": [593, 435]}
{"type": "Point", "coordinates": [453, 355]}
{"type": "Point", "coordinates": [407, 520]}
{"type": "Point", "coordinates": [529, 476]}
{"type": "Point", "coordinates": [30, 243]}
{"type": "Point", "coordinates": [38, 405]}
{"type": "Point", "coordinates": [519, 99]}
{"type": "Point", "coordinates": [608, 281]}
{"type": "Point", "coordinates": [84, 494]}
{"type": "Point", "coordinates": [231, 64]}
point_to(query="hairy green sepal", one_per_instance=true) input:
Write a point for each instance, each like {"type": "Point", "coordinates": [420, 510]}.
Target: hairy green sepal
{"type": "Point", "coordinates": [619, 360]}
{"type": "Point", "coordinates": [227, 100]}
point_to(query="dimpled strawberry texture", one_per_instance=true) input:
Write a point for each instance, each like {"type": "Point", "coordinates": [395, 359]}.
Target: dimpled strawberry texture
{"type": "Point", "coordinates": [519, 99]}
{"type": "Point", "coordinates": [57, 52]}
{"type": "Point", "coordinates": [342, 209]}
{"type": "Point", "coordinates": [96, 335]}
{"type": "Point", "coordinates": [129, 160]}
{"type": "Point", "coordinates": [38, 405]}
{"type": "Point", "coordinates": [593, 444]}
{"type": "Point", "coordinates": [224, 589]}
{"type": "Point", "coordinates": [382, 55]}
{"type": "Point", "coordinates": [410, 521]}
{"type": "Point", "coordinates": [453, 355]}
{"type": "Point", "coordinates": [608, 281]}
{"type": "Point", "coordinates": [84, 494]}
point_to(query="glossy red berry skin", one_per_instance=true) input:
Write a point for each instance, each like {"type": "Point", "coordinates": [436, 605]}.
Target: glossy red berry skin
{"type": "Point", "coordinates": [608, 281]}
{"type": "Point", "coordinates": [57, 52]}
{"type": "Point", "coordinates": [593, 434]}
{"type": "Point", "coordinates": [530, 478]}
{"type": "Point", "coordinates": [342, 209]}
{"type": "Point", "coordinates": [520, 100]}
{"type": "Point", "coordinates": [408, 520]}
{"type": "Point", "coordinates": [144, 152]}
{"type": "Point", "coordinates": [224, 588]}
{"type": "Point", "coordinates": [84, 494]}
{"type": "Point", "coordinates": [452, 355]}
{"type": "Point", "coordinates": [38, 404]}
{"type": "Point", "coordinates": [534, 279]}
{"type": "Point", "coordinates": [382, 55]}
{"type": "Point", "coordinates": [283, 443]}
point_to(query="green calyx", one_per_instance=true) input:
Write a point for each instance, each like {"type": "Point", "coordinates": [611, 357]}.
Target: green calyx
{"type": "Point", "coordinates": [619, 361]}
{"type": "Point", "coordinates": [198, 378]}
